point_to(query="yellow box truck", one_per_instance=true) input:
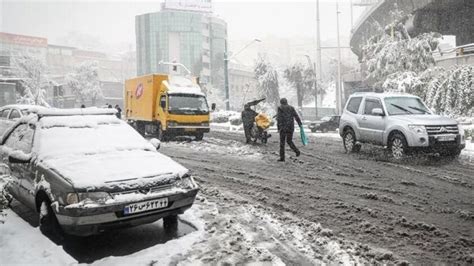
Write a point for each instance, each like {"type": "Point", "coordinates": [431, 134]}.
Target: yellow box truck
{"type": "Point", "coordinates": [166, 106]}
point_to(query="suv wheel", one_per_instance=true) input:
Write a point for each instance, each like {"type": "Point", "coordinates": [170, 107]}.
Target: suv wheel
{"type": "Point", "coordinates": [398, 146]}
{"type": "Point", "coordinates": [349, 140]}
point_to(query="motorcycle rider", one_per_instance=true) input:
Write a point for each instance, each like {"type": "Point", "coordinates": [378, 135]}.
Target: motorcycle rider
{"type": "Point", "coordinates": [248, 118]}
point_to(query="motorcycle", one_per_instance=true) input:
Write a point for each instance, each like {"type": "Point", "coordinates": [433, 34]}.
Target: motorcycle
{"type": "Point", "coordinates": [260, 128]}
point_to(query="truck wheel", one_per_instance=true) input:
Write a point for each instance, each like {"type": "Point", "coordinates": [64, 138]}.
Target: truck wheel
{"type": "Point", "coordinates": [48, 223]}
{"type": "Point", "coordinates": [140, 127]}
{"type": "Point", "coordinates": [199, 136]}
{"type": "Point", "coordinates": [349, 141]}
{"type": "Point", "coordinates": [161, 135]}
{"type": "Point", "coordinates": [398, 147]}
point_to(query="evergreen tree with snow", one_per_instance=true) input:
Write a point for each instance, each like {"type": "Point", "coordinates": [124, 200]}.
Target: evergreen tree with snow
{"type": "Point", "coordinates": [302, 78]}
{"type": "Point", "coordinates": [267, 81]}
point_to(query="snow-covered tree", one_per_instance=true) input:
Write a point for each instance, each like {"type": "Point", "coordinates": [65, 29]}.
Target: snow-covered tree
{"type": "Point", "coordinates": [393, 51]}
{"type": "Point", "coordinates": [302, 78]}
{"type": "Point", "coordinates": [448, 91]}
{"type": "Point", "coordinates": [34, 80]}
{"type": "Point", "coordinates": [267, 81]}
{"type": "Point", "coordinates": [84, 82]}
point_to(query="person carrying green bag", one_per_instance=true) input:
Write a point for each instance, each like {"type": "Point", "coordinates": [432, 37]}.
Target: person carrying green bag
{"type": "Point", "coordinates": [304, 139]}
{"type": "Point", "coordinates": [286, 117]}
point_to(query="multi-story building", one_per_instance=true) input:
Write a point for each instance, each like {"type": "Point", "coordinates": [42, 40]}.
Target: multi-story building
{"type": "Point", "coordinates": [242, 85]}
{"type": "Point", "coordinates": [60, 61]}
{"type": "Point", "coordinates": [186, 32]}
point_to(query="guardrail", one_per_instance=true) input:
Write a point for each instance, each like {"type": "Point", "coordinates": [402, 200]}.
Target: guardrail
{"type": "Point", "coordinates": [462, 50]}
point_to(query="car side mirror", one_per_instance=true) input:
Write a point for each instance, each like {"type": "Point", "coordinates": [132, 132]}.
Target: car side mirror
{"type": "Point", "coordinates": [378, 112]}
{"type": "Point", "coordinates": [213, 106]}
{"type": "Point", "coordinates": [163, 104]}
{"type": "Point", "coordinates": [156, 143]}
{"type": "Point", "coordinates": [15, 158]}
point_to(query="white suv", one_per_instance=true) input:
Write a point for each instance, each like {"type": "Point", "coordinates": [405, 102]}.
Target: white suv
{"type": "Point", "coordinates": [401, 122]}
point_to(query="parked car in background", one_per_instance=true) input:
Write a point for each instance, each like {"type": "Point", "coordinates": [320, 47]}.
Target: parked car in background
{"type": "Point", "coordinates": [401, 122]}
{"type": "Point", "coordinates": [327, 123]}
{"type": "Point", "coordinates": [85, 171]}
{"type": "Point", "coordinates": [9, 114]}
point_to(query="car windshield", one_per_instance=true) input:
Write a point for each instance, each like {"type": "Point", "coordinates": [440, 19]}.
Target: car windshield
{"type": "Point", "coordinates": [187, 103]}
{"type": "Point", "coordinates": [92, 134]}
{"type": "Point", "coordinates": [405, 106]}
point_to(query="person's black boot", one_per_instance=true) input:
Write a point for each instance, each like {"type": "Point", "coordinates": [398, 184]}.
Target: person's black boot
{"type": "Point", "coordinates": [298, 153]}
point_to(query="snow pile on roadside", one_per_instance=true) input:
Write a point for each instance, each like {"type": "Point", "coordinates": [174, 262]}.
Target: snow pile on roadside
{"type": "Point", "coordinates": [165, 254]}
{"type": "Point", "coordinates": [219, 146]}
{"type": "Point", "coordinates": [238, 232]}
{"type": "Point", "coordinates": [20, 243]}
{"type": "Point", "coordinates": [3, 195]}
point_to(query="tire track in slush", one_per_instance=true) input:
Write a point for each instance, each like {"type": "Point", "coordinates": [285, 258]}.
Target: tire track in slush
{"type": "Point", "coordinates": [403, 208]}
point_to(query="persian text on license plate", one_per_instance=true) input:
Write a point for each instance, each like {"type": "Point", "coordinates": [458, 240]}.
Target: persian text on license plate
{"type": "Point", "coordinates": [146, 206]}
{"type": "Point", "coordinates": [446, 138]}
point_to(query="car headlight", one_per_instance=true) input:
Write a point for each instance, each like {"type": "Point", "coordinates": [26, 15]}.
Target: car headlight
{"type": "Point", "coordinates": [186, 182]}
{"type": "Point", "coordinates": [417, 129]}
{"type": "Point", "coordinates": [87, 197]}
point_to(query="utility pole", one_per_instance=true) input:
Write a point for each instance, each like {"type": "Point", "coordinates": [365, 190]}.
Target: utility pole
{"type": "Point", "coordinates": [226, 69]}
{"type": "Point", "coordinates": [226, 77]}
{"type": "Point", "coordinates": [338, 84]}
{"type": "Point", "coordinates": [318, 53]}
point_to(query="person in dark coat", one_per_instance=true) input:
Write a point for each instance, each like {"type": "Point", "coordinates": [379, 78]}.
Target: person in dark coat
{"type": "Point", "coordinates": [119, 111]}
{"type": "Point", "coordinates": [286, 117]}
{"type": "Point", "coordinates": [248, 117]}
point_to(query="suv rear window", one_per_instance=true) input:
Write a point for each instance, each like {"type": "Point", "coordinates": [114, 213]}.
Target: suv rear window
{"type": "Point", "coordinates": [353, 105]}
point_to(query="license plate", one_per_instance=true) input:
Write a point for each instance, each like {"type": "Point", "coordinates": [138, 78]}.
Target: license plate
{"type": "Point", "coordinates": [446, 138]}
{"type": "Point", "coordinates": [190, 129]}
{"type": "Point", "coordinates": [146, 206]}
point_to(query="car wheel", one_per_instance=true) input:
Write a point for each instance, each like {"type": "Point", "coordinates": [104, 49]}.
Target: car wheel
{"type": "Point", "coordinates": [398, 147]}
{"type": "Point", "coordinates": [170, 224]}
{"type": "Point", "coordinates": [349, 141]}
{"type": "Point", "coordinates": [199, 136]}
{"type": "Point", "coordinates": [48, 223]}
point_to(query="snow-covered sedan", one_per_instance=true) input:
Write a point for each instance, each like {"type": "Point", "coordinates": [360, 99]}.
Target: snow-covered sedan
{"type": "Point", "coordinates": [85, 171]}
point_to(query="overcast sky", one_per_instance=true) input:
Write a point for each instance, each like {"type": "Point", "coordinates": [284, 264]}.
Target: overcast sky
{"type": "Point", "coordinates": [112, 22]}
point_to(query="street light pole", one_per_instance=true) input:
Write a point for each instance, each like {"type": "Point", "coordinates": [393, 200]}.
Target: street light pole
{"type": "Point", "coordinates": [315, 84]}
{"type": "Point", "coordinates": [226, 77]}
{"type": "Point", "coordinates": [226, 69]}
{"type": "Point", "coordinates": [338, 85]}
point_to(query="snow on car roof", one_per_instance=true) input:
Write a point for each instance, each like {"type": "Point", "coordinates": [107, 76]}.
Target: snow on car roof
{"type": "Point", "coordinates": [24, 106]}
{"type": "Point", "coordinates": [75, 111]}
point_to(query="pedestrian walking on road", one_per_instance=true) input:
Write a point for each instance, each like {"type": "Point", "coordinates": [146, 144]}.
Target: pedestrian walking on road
{"type": "Point", "coordinates": [119, 111]}
{"type": "Point", "coordinates": [286, 117]}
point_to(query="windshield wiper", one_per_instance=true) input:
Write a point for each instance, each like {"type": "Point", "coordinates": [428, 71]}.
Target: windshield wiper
{"type": "Point", "coordinates": [401, 108]}
{"type": "Point", "coordinates": [418, 109]}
